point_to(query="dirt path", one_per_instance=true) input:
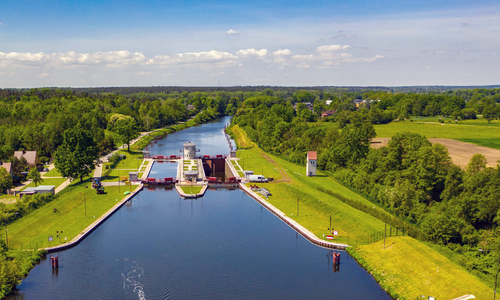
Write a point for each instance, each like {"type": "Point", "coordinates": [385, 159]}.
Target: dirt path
{"type": "Point", "coordinates": [460, 152]}
{"type": "Point", "coordinates": [283, 173]}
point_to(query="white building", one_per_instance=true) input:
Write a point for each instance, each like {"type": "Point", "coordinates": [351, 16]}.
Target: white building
{"type": "Point", "coordinates": [189, 150]}
{"type": "Point", "coordinates": [312, 163]}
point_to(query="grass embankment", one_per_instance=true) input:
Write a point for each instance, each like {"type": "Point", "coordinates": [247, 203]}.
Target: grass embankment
{"type": "Point", "coordinates": [130, 163]}
{"type": "Point", "coordinates": [405, 268]}
{"type": "Point", "coordinates": [290, 186]}
{"type": "Point", "coordinates": [192, 190]}
{"type": "Point", "coordinates": [47, 181]}
{"type": "Point", "coordinates": [36, 227]}
{"type": "Point", "coordinates": [410, 269]}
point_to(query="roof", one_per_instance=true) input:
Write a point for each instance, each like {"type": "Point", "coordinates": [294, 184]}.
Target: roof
{"type": "Point", "coordinates": [7, 166]}
{"type": "Point", "coordinates": [191, 173]}
{"type": "Point", "coordinates": [312, 155]}
{"type": "Point", "coordinates": [189, 144]}
{"type": "Point", "coordinates": [29, 155]}
{"type": "Point", "coordinates": [44, 187]}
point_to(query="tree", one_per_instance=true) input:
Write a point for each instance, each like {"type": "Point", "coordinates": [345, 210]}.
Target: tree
{"type": "Point", "coordinates": [126, 130]}
{"type": "Point", "coordinates": [18, 165]}
{"type": "Point", "coordinates": [78, 154]}
{"type": "Point", "coordinates": [35, 176]}
{"type": "Point", "coordinates": [476, 164]}
{"type": "Point", "coordinates": [5, 180]}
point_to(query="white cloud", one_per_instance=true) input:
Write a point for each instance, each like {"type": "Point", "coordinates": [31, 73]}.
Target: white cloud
{"type": "Point", "coordinates": [252, 53]}
{"type": "Point", "coordinates": [232, 32]}
{"type": "Point", "coordinates": [441, 52]}
{"type": "Point", "coordinates": [144, 73]}
{"type": "Point", "coordinates": [201, 59]}
{"type": "Point", "coordinates": [330, 48]}
{"type": "Point", "coordinates": [43, 75]}
{"type": "Point", "coordinates": [284, 52]}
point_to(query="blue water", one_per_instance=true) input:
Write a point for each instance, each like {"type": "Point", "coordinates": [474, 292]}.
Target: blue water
{"type": "Point", "coordinates": [164, 169]}
{"type": "Point", "coordinates": [224, 245]}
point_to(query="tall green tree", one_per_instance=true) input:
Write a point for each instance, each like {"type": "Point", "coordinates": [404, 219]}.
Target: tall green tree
{"type": "Point", "coordinates": [78, 154]}
{"type": "Point", "coordinates": [18, 165]}
{"type": "Point", "coordinates": [35, 176]}
{"type": "Point", "coordinates": [126, 130]}
{"type": "Point", "coordinates": [5, 180]}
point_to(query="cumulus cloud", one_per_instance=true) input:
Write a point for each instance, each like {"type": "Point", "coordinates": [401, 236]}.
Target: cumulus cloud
{"type": "Point", "coordinates": [202, 59]}
{"type": "Point", "coordinates": [43, 75]}
{"type": "Point", "coordinates": [330, 48]}
{"type": "Point", "coordinates": [252, 53]}
{"type": "Point", "coordinates": [284, 52]}
{"type": "Point", "coordinates": [232, 32]}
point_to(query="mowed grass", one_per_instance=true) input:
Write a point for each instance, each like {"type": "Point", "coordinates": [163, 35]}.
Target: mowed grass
{"type": "Point", "coordinates": [487, 136]}
{"type": "Point", "coordinates": [53, 173]}
{"type": "Point", "coordinates": [187, 189]}
{"type": "Point", "coordinates": [315, 207]}
{"type": "Point", "coordinates": [70, 217]}
{"type": "Point", "coordinates": [131, 163]}
{"type": "Point", "coordinates": [47, 181]}
{"type": "Point", "coordinates": [252, 159]}
{"type": "Point", "coordinates": [410, 268]}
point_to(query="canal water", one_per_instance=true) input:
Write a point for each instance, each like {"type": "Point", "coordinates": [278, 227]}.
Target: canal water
{"type": "Point", "coordinates": [224, 245]}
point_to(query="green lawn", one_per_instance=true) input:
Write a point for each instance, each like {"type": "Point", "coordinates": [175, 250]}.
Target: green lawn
{"type": "Point", "coordinates": [48, 181]}
{"type": "Point", "coordinates": [410, 268]}
{"type": "Point", "coordinates": [251, 159]}
{"type": "Point", "coordinates": [70, 218]}
{"type": "Point", "coordinates": [53, 173]}
{"type": "Point", "coordinates": [131, 163]}
{"type": "Point", "coordinates": [187, 189]}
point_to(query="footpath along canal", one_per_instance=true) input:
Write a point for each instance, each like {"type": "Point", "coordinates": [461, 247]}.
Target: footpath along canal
{"type": "Point", "coordinates": [224, 245]}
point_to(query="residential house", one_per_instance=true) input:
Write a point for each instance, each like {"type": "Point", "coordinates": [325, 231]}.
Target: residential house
{"type": "Point", "coordinates": [7, 166]}
{"type": "Point", "coordinates": [31, 158]}
{"type": "Point", "coordinates": [328, 113]}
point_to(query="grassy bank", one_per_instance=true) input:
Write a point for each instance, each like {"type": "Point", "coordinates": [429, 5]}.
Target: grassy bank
{"type": "Point", "coordinates": [188, 189]}
{"type": "Point", "coordinates": [408, 269]}
{"type": "Point", "coordinates": [405, 268]}
{"type": "Point", "coordinates": [35, 228]}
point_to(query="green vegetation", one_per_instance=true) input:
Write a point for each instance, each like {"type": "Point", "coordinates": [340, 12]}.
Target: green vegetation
{"type": "Point", "coordinates": [66, 213]}
{"type": "Point", "coordinates": [15, 265]}
{"type": "Point", "coordinates": [408, 269]}
{"type": "Point", "coordinates": [53, 173]}
{"type": "Point", "coordinates": [487, 136]}
{"type": "Point", "coordinates": [190, 189]}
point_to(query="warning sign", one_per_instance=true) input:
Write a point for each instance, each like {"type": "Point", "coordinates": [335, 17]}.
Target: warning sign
{"type": "Point", "coordinates": [50, 239]}
{"type": "Point", "coordinates": [335, 233]}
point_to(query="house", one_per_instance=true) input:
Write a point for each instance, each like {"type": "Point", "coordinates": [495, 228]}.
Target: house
{"type": "Point", "coordinates": [41, 189]}
{"type": "Point", "coordinates": [328, 113]}
{"type": "Point", "coordinates": [312, 163]}
{"type": "Point", "coordinates": [357, 103]}
{"type": "Point", "coordinates": [328, 102]}
{"type": "Point", "coordinates": [31, 157]}
{"type": "Point", "coordinates": [8, 167]}
{"type": "Point", "coordinates": [190, 107]}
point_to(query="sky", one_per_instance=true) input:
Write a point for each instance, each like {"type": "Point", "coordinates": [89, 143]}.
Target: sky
{"type": "Point", "coordinates": [238, 43]}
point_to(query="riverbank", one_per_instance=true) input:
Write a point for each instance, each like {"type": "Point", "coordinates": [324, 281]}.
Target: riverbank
{"type": "Point", "coordinates": [388, 267]}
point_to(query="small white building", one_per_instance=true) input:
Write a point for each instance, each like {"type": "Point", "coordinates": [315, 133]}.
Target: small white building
{"type": "Point", "coordinates": [312, 163]}
{"type": "Point", "coordinates": [189, 150]}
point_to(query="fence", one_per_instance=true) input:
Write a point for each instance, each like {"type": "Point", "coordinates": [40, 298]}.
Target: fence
{"type": "Point", "coordinates": [365, 239]}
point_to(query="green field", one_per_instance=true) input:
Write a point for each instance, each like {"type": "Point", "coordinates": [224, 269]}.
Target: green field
{"type": "Point", "coordinates": [47, 181]}
{"type": "Point", "coordinates": [70, 217]}
{"type": "Point", "coordinates": [410, 269]}
{"type": "Point", "coordinates": [488, 136]}
{"type": "Point", "coordinates": [131, 163]}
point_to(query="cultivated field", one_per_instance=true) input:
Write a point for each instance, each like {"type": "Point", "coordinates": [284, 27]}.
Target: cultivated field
{"type": "Point", "coordinates": [460, 152]}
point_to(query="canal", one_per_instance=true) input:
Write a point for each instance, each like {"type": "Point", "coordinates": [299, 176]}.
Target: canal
{"type": "Point", "coordinates": [224, 245]}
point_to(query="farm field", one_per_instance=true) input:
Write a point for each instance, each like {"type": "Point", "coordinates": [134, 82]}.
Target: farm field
{"type": "Point", "coordinates": [460, 152]}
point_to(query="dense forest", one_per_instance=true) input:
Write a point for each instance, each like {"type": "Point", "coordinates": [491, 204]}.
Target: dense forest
{"type": "Point", "coordinates": [459, 210]}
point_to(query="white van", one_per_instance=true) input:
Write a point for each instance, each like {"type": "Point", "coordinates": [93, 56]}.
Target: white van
{"type": "Point", "coordinates": [257, 178]}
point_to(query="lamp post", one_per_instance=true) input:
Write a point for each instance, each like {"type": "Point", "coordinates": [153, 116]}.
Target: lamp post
{"type": "Point", "coordinates": [498, 270]}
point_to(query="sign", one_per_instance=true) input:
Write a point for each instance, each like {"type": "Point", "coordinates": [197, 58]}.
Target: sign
{"type": "Point", "coordinates": [50, 239]}
{"type": "Point", "coordinates": [335, 232]}
{"type": "Point", "coordinates": [329, 237]}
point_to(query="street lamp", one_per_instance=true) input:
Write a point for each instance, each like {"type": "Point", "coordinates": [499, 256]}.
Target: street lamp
{"type": "Point", "coordinates": [498, 270]}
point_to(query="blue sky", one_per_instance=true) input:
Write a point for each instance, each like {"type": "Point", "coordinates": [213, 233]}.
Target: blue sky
{"type": "Point", "coordinates": [132, 43]}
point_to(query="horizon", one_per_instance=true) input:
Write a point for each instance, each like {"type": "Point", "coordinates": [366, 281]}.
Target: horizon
{"type": "Point", "coordinates": [198, 43]}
